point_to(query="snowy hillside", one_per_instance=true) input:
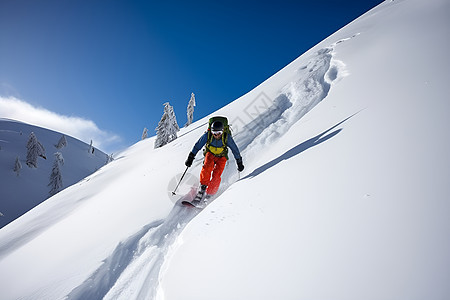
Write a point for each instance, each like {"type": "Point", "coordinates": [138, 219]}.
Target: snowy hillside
{"type": "Point", "coordinates": [345, 193]}
{"type": "Point", "coordinates": [26, 188]}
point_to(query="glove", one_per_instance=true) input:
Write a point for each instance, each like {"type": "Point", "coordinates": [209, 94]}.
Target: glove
{"type": "Point", "coordinates": [190, 159]}
{"type": "Point", "coordinates": [239, 164]}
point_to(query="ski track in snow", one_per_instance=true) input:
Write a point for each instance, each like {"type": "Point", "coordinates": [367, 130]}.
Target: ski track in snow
{"type": "Point", "coordinates": [140, 256]}
{"type": "Point", "coordinates": [294, 101]}
{"type": "Point", "coordinates": [132, 270]}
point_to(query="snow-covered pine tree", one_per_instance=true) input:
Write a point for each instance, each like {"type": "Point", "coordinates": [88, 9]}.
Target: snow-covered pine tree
{"type": "Point", "coordinates": [190, 110]}
{"type": "Point", "coordinates": [62, 142]}
{"type": "Point", "coordinates": [145, 133]}
{"type": "Point", "coordinates": [17, 166]}
{"type": "Point", "coordinates": [91, 148]}
{"type": "Point", "coordinates": [56, 183]}
{"type": "Point", "coordinates": [167, 127]}
{"type": "Point", "coordinates": [109, 158]}
{"type": "Point", "coordinates": [34, 149]}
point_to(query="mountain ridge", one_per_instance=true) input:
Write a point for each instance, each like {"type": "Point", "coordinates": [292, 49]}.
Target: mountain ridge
{"type": "Point", "coordinates": [23, 190]}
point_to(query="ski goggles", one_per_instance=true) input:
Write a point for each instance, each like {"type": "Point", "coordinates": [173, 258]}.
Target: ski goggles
{"type": "Point", "coordinates": [216, 132]}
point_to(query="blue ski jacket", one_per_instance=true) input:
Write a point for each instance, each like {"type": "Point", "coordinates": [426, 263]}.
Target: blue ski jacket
{"type": "Point", "coordinates": [218, 144]}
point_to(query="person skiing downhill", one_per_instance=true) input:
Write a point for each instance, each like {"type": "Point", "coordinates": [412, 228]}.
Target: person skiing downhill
{"type": "Point", "coordinates": [216, 141]}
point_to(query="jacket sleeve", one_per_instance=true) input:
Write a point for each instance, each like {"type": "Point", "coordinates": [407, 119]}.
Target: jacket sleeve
{"type": "Point", "coordinates": [200, 143]}
{"type": "Point", "coordinates": [233, 147]}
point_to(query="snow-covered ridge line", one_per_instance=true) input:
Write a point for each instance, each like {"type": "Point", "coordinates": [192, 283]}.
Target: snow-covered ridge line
{"type": "Point", "coordinates": [133, 269]}
{"type": "Point", "coordinates": [336, 193]}
{"type": "Point", "coordinates": [25, 177]}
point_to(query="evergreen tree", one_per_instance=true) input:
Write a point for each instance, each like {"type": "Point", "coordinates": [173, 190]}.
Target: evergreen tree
{"type": "Point", "coordinates": [62, 142]}
{"type": "Point", "coordinates": [91, 148]}
{"type": "Point", "coordinates": [167, 127]}
{"type": "Point", "coordinates": [109, 158]}
{"type": "Point", "coordinates": [17, 166]}
{"type": "Point", "coordinates": [56, 183]}
{"type": "Point", "coordinates": [34, 149]}
{"type": "Point", "coordinates": [145, 133]}
{"type": "Point", "coordinates": [190, 110]}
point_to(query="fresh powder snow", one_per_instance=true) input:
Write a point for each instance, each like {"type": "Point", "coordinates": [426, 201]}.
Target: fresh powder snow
{"type": "Point", "coordinates": [24, 188]}
{"type": "Point", "coordinates": [344, 195]}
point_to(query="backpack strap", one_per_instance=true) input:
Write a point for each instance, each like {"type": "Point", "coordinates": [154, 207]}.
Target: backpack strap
{"type": "Point", "coordinates": [226, 132]}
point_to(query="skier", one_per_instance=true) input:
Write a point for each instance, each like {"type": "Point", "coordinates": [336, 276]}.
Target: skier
{"type": "Point", "coordinates": [217, 140]}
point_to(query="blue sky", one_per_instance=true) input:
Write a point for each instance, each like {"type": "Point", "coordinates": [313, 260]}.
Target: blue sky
{"type": "Point", "coordinates": [116, 62]}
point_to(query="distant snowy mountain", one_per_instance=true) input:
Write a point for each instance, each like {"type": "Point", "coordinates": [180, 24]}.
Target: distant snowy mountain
{"type": "Point", "coordinates": [344, 195]}
{"type": "Point", "coordinates": [22, 190]}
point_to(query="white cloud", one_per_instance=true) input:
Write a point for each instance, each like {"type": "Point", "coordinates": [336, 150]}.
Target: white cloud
{"type": "Point", "coordinates": [82, 129]}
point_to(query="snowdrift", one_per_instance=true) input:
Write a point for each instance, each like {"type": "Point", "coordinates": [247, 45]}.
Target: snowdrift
{"type": "Point", "coordinates": [344, 195]}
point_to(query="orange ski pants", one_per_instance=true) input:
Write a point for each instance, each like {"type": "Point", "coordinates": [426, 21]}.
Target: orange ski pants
{"type": "Point", "coordinates": [215, 165]}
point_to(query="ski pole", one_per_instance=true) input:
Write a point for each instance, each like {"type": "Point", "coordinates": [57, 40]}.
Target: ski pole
{"type": "Point", "coordinates": [182, 176]}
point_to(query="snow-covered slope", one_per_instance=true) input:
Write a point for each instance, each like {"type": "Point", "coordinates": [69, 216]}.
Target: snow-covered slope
{"type": "Point", "coordinates": [345, 193]}
{"type": "Point", "coordinates": [23, 191]}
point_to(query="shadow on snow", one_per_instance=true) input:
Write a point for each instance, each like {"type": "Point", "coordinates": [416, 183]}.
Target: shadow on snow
{"type": "Point", "coordinates": [318, 139]}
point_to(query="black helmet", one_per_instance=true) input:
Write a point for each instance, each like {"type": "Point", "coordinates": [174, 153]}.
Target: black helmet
{"type": "Point", "coordinates": [217, 126]}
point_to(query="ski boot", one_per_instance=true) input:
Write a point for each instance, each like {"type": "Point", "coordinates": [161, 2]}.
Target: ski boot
{"type": "Point", "coordinates": [198, 198]}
